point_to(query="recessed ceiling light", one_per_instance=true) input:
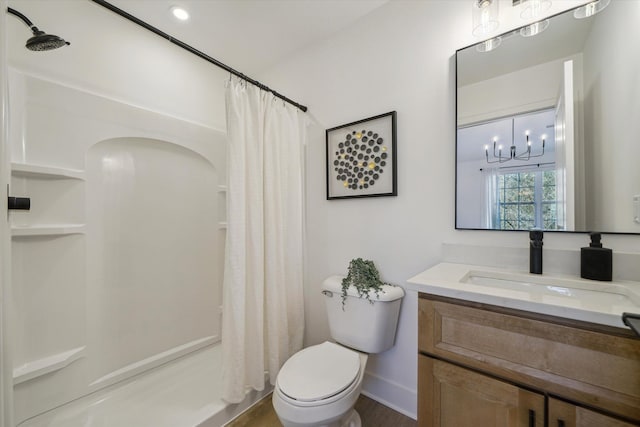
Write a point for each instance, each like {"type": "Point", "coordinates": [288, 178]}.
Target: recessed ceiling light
{"type": "Point", "coordinates": [180, 13]}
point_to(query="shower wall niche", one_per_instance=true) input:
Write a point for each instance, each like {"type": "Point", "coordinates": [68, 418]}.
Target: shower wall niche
{"type": "Point", "coordinates": [118, 266]}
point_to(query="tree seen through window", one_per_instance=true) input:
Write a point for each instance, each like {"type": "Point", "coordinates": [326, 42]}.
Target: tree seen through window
{"type": "Point", "coordinates": [527, 200]}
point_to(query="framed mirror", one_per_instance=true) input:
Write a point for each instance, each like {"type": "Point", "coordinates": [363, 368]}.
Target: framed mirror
{"type": "Point", "coordinates": [548, 125]}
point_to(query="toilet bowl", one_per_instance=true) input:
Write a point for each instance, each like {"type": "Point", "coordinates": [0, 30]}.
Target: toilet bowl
{"type": "Point", "coordinates": [319, 386]}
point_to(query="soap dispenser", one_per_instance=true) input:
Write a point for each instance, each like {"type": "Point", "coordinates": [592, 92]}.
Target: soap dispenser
{"type": "Point", "coordinates": [596, 262]}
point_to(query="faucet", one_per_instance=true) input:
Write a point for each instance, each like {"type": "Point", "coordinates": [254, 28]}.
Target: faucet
{"type": "Point", "coordinates": [535, 251]}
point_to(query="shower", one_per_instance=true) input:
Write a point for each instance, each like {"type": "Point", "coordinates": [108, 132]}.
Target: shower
{"type": "Point", "coordinates": [40, 40]}
{"type": "Point", "coordinates": [114, 286]}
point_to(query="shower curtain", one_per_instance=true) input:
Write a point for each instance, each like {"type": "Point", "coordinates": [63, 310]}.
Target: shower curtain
{"type": "Point", "coordinates": [263, 307]}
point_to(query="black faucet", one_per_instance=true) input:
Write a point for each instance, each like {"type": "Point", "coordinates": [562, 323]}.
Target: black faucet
{"type": "Point", "coordinates": [632, 320]}
{"type": "Point", "coordinates": [535, 251]}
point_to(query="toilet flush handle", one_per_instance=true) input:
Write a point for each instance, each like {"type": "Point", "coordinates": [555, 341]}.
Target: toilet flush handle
{"type": "Point", "coordinates": [328, 294]}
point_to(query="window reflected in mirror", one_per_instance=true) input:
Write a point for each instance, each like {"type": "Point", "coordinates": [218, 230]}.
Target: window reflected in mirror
{"type": "Point", "coordinates": [507, 171]}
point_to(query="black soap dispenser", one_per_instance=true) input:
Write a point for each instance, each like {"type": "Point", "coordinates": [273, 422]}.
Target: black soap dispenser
{"type": "Point", "coordinates": [596, 262]}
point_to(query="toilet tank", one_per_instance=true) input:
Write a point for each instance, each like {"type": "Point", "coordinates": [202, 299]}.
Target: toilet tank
{"type": "Point", "coordinates": [360, 324]}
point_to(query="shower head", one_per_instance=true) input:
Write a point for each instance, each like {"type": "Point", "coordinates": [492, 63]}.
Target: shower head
{"type": "Point", "coordinates": [40, 40]}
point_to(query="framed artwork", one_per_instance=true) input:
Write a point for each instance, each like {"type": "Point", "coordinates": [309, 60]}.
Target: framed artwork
{"type": "Point", "coordinates": [361, 158]}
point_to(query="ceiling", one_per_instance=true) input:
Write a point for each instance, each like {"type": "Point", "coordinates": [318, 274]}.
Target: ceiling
{"type": "Point", "coordinates": [250, 35]}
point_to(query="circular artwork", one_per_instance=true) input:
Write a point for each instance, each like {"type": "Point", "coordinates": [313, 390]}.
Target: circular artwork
{"type": "Point", "coordinates": [360, 159]}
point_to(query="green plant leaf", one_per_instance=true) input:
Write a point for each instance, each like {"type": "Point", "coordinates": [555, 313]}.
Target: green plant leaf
{"type": "Point", "coordinates": [362, 275]}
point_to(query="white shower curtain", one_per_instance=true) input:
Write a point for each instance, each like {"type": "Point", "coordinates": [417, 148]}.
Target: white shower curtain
{"type": "Point", "coordinates": [263, 307]}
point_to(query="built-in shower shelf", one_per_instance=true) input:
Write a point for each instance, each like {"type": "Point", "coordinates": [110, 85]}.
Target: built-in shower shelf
{"type": "Point", "coordinates": [48, 172]}
{"type": "Point", "coordinates": [222, 188]}
{"type": "Point", "coordinates": [154, 361]}
{"type": "Point", "coordinates": [48, 230]}
{"type": "Point", "coordinates": [222, 225]}
{"type": "Point", "coordinates": [46, 365]}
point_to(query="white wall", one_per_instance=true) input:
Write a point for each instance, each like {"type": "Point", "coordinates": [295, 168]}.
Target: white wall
{"type": "Point", "coordinates": [611, 107]}
{"type": "Point", "coordinates": [470, 185]}
{"type": "Point", "coordinates": [530, 89]}
{"type": "Point", "coordinates": [400, 57]}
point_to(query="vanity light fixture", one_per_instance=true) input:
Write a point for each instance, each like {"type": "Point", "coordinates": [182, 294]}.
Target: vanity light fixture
{"type": "Point", "coordinates": [179, 13]}
{"type": "Point", "coordinates": [532, 9]}
{"type": "Point", "coordinates": [485, 17]}
{"type": "Point", "coordinates": [489, 45]}
{"type": "Point", "coordinates": [513, 154]}
{"type": "Point", "coordinates": [590, 9]}
{"type": "Point", "coordinates": [534, 29]}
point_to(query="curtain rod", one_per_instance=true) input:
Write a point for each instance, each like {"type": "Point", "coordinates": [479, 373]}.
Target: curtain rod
{"type": "Point", "coordinates": [524, 166]}
{"type": "Point", "coordinates": [196, 52]}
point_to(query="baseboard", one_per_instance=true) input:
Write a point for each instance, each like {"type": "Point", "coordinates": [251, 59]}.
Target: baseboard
{"type": "Point", "coordinates": [391, 394]}
{"type": "Point", "coordinates": [233, 411]}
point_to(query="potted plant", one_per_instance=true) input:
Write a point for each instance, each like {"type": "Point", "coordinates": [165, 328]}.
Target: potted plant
{"type": "Point", "coordinates": [364, 277]}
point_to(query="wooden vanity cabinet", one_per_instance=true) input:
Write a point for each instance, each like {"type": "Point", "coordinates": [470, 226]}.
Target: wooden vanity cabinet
{"type": "Point", "coordinates": [564, 414]}
{"type": "Point", "coordinates": [484, 365]}
{"type": "Point", "coordinates": [454, 396]}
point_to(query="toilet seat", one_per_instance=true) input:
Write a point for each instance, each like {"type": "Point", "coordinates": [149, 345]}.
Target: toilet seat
{"type": "Point", "coordinates": [319, 372]}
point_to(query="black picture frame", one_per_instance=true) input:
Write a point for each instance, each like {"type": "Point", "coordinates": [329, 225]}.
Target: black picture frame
{"type": "Point", "coordinates": [362, 158]}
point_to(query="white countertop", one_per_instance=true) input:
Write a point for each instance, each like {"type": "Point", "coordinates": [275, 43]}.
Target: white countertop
{"type": "Point", "coordinates": [556, 295]}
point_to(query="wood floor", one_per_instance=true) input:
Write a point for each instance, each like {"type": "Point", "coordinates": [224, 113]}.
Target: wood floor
{"type": "Point", "coordinates": [372, 413]}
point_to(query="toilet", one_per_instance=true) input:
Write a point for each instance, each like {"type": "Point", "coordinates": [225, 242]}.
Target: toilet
{"type": "Point", "coordinates": [319, 385]}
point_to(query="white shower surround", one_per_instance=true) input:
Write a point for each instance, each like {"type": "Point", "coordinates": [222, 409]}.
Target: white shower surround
{"type": "Point", "coordinates": [6, 370]}
{"type": "Point", "coordinates": [192, 399]}
{"type": "Point", "coordinates": [118, 267]}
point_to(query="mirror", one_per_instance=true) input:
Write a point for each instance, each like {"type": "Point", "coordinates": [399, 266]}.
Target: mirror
{"type": "Point", "coordinates": [548, 125]}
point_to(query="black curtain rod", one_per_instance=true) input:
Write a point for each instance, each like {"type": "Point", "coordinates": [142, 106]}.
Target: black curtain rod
{"type": "Point", "coordinates": [524, 166]}
{"type": "Point", "coordinates": [195, 51]}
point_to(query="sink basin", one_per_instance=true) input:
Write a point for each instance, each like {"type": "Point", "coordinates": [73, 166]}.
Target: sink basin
{"type": "Point", "coordinates": [556, 295]}
{"type": "Point", "coordinates": [585, 294]}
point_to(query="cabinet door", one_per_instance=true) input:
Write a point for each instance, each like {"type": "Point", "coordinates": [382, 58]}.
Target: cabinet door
{"type": "Point", "coordinates": [451, 396]}
{"type": "Point", "coordinates": [563, 414]}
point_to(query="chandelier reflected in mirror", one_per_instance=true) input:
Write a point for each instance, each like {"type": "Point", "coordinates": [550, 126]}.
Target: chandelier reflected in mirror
{"type": "Point", "coordinates": [513, 154]}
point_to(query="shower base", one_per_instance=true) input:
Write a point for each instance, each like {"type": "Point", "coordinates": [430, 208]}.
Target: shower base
{"type": "Point", "coordinates": [183, 393]}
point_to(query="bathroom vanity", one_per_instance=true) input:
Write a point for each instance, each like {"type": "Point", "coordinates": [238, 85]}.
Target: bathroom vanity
{"type": "Point", "coordinates": [498, 348]}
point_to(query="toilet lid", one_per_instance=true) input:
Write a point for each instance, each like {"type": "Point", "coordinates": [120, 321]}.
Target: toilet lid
{"type": "Point", "coordinates": [318, 372]}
